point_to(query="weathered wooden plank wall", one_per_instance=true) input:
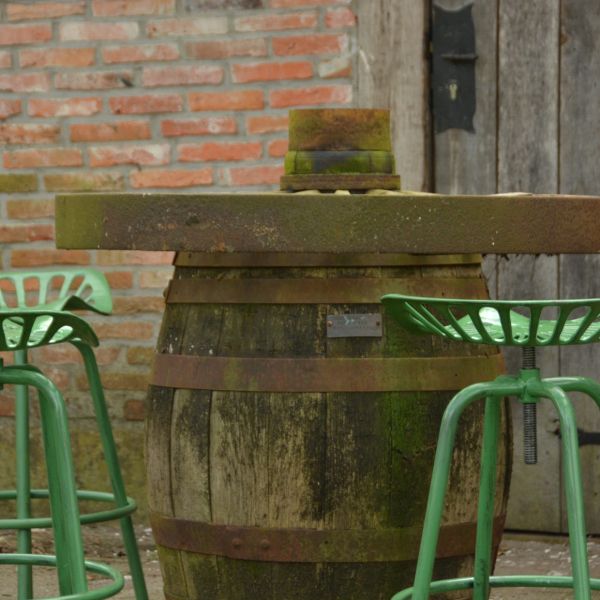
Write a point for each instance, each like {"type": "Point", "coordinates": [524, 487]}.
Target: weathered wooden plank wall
{"type": "Point", "coordinates": [537, 106]}
{"type": "Point", "coordinates": [393, 72]}
{"type": "Point", "coordinates": [527, 160]}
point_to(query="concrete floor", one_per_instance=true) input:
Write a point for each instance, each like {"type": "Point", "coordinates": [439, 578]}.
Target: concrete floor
{"type": "Point", "coordinates": [519, 554]}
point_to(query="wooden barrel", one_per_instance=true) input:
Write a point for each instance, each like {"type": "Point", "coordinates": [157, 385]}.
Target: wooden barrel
{"type": "Point", "coordinates": [288, 454]}
{"type": "Point", "coordinates": [292, 424]}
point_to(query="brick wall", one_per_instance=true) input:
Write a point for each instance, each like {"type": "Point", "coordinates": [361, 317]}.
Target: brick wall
{"type": "Point", "coordinates": [146, 95]}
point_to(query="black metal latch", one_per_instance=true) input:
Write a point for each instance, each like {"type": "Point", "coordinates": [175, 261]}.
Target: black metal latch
{"type": "Point", "coordinates": [453, 74]}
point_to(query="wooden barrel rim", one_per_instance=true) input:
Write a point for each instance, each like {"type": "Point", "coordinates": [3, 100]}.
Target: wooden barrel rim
{"type": "Point", "coordinates": [318, 259]}
{"type": "Point", "coordinates": [364, 290]}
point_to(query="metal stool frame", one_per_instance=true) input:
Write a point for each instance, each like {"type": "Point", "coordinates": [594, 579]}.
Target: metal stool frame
{"type": "Point", "coordinates": [497, 323]}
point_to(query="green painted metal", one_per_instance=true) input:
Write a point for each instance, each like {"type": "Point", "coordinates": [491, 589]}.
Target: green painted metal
{"type": "Point", "coordinates": [487, 491]}
{"type": "Point", "coordinates": [109, 590]}
{"type": "Point", "coordinates": [23, 483]}
{"type": "Point", "coordinates": [498, 581]}
{"type": "Point", "coordinates": [499, 322]}
{"type": "Point", "coordinates": [61, 479]}
{"type": "Point", "coordinates": [67, 289]}
{"type": "Point", "coordinates": [33, 312]}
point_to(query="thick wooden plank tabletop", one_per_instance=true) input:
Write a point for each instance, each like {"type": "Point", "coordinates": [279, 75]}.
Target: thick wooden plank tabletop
{"type": "Point", "coordinates": [281, 222]}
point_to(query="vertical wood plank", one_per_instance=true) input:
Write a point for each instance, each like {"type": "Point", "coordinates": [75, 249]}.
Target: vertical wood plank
{"type": "Point", "coordinates": [393, 73]}
{"type": "Point", "coordinates": [579, 151]}
{"type": "Point", "coordinates": [465, 161]}
{"type": "Point", "coordinates": [528, 161]}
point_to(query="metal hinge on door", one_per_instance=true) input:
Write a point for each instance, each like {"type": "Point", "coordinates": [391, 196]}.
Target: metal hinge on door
{"type": "Point", "coordinates": [453, 68]}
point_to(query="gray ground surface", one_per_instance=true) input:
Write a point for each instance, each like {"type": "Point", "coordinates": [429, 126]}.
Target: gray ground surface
{"type": "Point", "coordinates": [519, 554]}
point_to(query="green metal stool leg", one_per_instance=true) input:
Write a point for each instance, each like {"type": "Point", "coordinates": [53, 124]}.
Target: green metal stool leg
{"type": "Point", "coordinates": [61, 479]}
{"type": "Point", "coordinates": [116, 478]}
{"type": "Point", "coordinates": [441, 471]}
{"type": "Point", "coordinates": [574, 489]}
{"type": "Point", "coordinates": [23, 482]}
{"type": "Point", "coordinates": [487, 491]}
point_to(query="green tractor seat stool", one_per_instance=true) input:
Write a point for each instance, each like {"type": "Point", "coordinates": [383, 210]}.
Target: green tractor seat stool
{"type": "Point", "coordinates": [23, 293]}
{"type": "Point", "coordinates": [527, 324]}
{"type": "Point", "coordinates": [20, 331]}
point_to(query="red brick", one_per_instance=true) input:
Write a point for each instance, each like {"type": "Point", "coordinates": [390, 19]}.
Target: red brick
{"type": "Point", "coordinates": [154, 52]}
{"type": "Point", "coordinates": [277, 148]}
{"type": "Point", "coordinates": [111, 132]}
{"type": "Point", "coordinates": [183, 75]}
{"type": "Point", "coordinates": [57, 57]}
{"type": "Point", "coordinates": [11, 234]}
{"type": "Point", "coordinates": [340, 66]}
{"type": "Point", "coordinates": [241, 100]}
{"type": "Point", "coordinates": [130, 105]}
{"type": "Point", "coordinates": [63, 354]}
{"type": "Point", "coordinates": [7, 405]}
{"type": "Point", "coordinates": [29, 209]}
{"type": "Point", "coordinates": [332, 94]}
{"type": "Point", "coordinates": [44, 157]}
{"type": "Point", "coordinates": [206, 126]}
{"type": "Point", "coordinates": [260, 175]}
{"type": "Point", "coordinates": [64, 107]}
{"type": "Point", "coordinates": [155, 279]}
{"type": "Point", "coordinates": [323, 43]}
{"type": "Point", "coordinates": [219, 151]}
{"type": "Point", "coordinates": [11, 35]}
{"type": "Point", "coordinates": [25, 82]}
{"type": "Point", "coordinates": [48, 256]}
{"type": "Point", "coordinates": [274, 22]}
{"type": "Point", "coordinates": [167, 178]}
{"type": "Point", "coordinates": [190, 26]}
{"type": "Point", "coordinates": [132, 257]}
{"type": "Point", "coordinates": [129, 305]}
{"type": "Point", "coordinates": [84, 182]}
{"type": "Point", "coordinates": [140, 355]}
{"type": "Point", "coordinates": [148, 154]}
{"type": "Point", "coordinates": [43, 10]}
{"type": "Point", "coordinates": [133, 410]}
{"type": "Point", "coordinates": [340, 17]}
{"type": "Point", "coordinates": [74, 31]}
{"type": "Point", "coordinates": [93, 80]}
{"type": "Point", "coordinates": [250, 72]}
{"type": "Point", "coordinates": [5, 60]}
{"type": "Point", "coordinates": [9, 107]}
{"type": "Point", "coordinates": [119, 280]}
{"type": "Point", "coordinates": [131, 330]}
{"type": "Point", "coordinates": [295, 3]}
{"type": "Point", "coordinates": [266, 123]}
{"type": "Point", "coordinates": [123, 8]}
{"type": "Point", "coordinates": [26, 133]}
{"type": "Point", "coordinates": [226, 49]}
{"type": "Point", "coordinates": [119, 381]}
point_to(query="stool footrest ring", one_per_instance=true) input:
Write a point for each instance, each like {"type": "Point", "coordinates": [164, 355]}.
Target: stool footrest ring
{"type": "Point", "coordinates": [46, 522]}
{"type": "Point", "coordinates": [46, 560]}
{"type": "Point", "coordinates": [464, 583]}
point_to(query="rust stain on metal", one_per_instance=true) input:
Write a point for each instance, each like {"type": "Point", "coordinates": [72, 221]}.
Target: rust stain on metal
{"type": "Point", "coordinates": [311, 545]}
{"type": "Point", "coordinates": [357, 290]}
{"type": "Point", "coordinates": [230, 373]}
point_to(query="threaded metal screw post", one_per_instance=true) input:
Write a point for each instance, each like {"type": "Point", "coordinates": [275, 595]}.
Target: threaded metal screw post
{"type": "Point", "coordinates": [529, 414]}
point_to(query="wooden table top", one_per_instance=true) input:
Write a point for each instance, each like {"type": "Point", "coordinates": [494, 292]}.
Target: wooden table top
{"type": "Point", "coordinates": [384, 222]}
